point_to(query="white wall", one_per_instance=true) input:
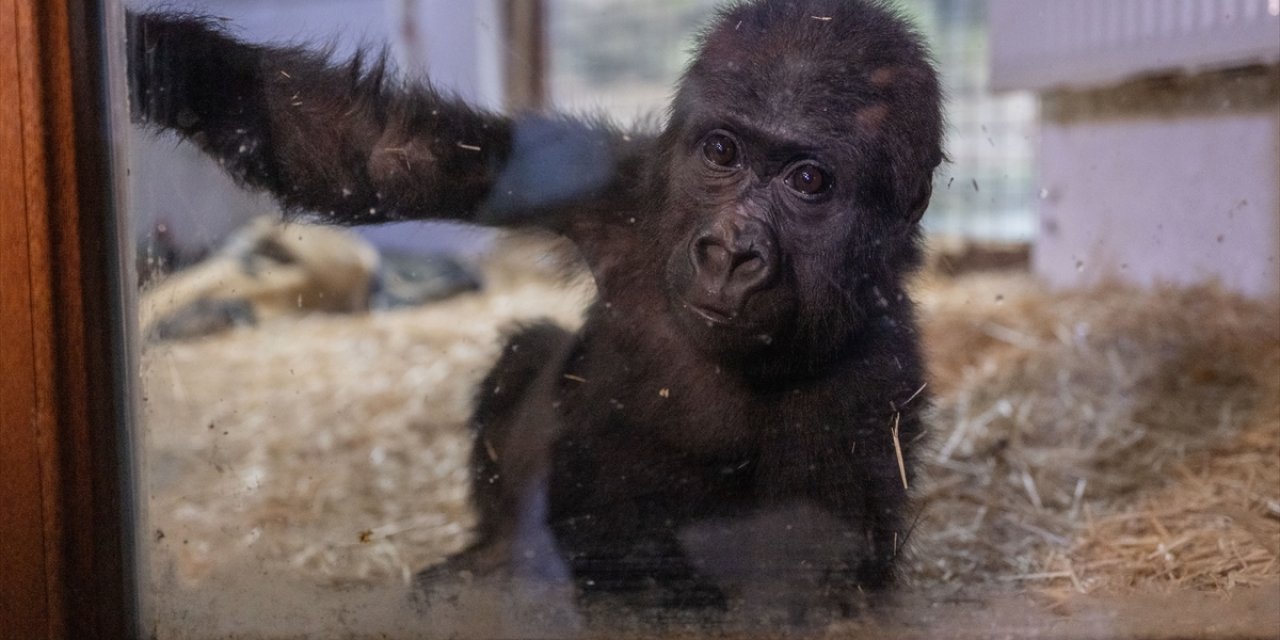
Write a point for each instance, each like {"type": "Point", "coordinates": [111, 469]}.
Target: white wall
{"type": "Point", "coordinates": [1151, 180]}
{"type": "Point", "coordinates": [1184, 199]}
{"type": "Point", "coordinates": [1089, 43]}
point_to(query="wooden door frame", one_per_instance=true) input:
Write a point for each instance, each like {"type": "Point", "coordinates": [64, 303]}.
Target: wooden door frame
{"type": "Point", "coordinates": [65, 544]}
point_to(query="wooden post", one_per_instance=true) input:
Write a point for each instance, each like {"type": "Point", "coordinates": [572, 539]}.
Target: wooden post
{"type": "Point", "coordinates": [525, 27]}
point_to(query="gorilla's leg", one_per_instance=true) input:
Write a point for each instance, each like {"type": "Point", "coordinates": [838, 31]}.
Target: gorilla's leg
{"type": "Point", "coordinates": [514, 424]}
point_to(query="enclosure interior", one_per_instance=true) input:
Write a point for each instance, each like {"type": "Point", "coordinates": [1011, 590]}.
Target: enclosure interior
{"type": "Point", "coordinates": [1102, 457]}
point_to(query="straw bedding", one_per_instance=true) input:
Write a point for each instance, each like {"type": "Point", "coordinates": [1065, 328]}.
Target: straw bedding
{"type": "Point", "coordinates": [1105, 441]}
{"type": "Point", "coordinates": [1111, 439]}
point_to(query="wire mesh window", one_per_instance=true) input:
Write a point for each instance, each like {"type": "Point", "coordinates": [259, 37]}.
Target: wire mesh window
{"type": "Point", "coordinates": [622, 58]}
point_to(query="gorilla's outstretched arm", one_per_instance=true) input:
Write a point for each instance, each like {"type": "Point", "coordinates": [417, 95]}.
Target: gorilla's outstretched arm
{"type": "Point", "coordinates": [355, 146]}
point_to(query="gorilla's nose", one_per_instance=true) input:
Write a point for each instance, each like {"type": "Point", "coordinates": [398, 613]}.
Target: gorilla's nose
{"type": "Point", "coordinates": [732, 260]}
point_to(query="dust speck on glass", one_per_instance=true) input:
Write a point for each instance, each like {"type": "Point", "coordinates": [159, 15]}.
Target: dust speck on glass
{"type": "Point", "coordinates": [559, 318]}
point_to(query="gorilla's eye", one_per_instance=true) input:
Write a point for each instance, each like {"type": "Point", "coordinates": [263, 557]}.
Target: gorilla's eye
{"type": "Point", "coordinates": [720, 150]}
{"type": "Point", "coordinates": [809, 180]}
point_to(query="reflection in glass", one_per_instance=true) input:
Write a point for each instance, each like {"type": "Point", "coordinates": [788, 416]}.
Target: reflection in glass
{"type": "Point", "coordinates": [1100, 458]}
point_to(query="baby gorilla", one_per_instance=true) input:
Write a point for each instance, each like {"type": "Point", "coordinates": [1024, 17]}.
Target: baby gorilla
{"type": "Point", "coordinates": [742, 405]}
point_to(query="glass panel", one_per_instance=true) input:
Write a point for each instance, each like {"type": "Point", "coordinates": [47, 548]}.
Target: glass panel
{"type": "Point", "coordinates": [688, 363]}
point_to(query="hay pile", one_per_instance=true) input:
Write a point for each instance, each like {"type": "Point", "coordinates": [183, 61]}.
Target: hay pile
{"type": "Point", "coordinates": [1108, 439]}
{"type": "Point", "coordinates": [329, 445]}
{"type": "Point", "coordinates": [1103, 441]}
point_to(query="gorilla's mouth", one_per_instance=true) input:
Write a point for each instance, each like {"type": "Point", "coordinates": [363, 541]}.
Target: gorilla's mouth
{"type": "Point", "coordinates": [727, 332]}
{"type": "Point", "coordinates": [712, 316]}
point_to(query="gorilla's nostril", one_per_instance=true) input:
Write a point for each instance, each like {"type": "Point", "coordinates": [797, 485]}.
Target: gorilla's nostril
{"type": "Point", "coordinates": [732, 263]}
{"type": "Point", "coordinates": [712, 255]}
{"type": "Point", "coordinates": [748, 264]}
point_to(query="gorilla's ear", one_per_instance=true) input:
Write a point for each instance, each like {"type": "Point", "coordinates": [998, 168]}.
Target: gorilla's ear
{"type": "Point", "coordinates": [916, 205]}
{"type": "Point", "coordinates": [911, 172]}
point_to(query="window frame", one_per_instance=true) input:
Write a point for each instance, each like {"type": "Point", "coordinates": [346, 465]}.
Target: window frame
{"type": "Point", "coordinates": [66, 543]}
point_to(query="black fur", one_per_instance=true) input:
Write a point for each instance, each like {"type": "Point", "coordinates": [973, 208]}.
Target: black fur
{"type": "Point", "coordinates": [733, 409]}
